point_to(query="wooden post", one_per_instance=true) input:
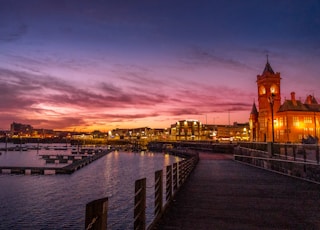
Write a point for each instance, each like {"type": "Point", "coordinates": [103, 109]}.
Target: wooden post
{"type": "Point", "coordinates": [169, 183]}
{"type": "Point", "coordinates": [175, 177]}
{"type": "Point", "coordinates": [180, 170]}
{"type": "Point", "coordinates": [96, 214]}
{"type": "Point", "coordinates": [140, 205]}
{"type": "Point", "coordinates": [188, 168]}
{"type": "Point", "coordinates": [158, 193]}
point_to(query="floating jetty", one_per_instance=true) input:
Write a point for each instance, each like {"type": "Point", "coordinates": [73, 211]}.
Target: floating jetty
{"type": "Point", "coordinates": [75, 164]}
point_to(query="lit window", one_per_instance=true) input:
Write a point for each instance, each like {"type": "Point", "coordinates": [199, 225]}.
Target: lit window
{"type": "Point", "coordinates": [273, 89]}
{"type": "Point", "coordinates": [281, 122]}
{"type": "Point", "coordinates": [307, 120]}
{"type": "Point", "coordinates": [296, 121]}
{"type": "Point", "coordinates": [262, 90]}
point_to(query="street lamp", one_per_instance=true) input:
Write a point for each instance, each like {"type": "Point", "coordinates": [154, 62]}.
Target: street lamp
{"type": "Point", "coordinates": [271, 102]}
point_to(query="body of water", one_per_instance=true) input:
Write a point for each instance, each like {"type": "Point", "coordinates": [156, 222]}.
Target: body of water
{"type": "Point", "coordinates": [58, 201]}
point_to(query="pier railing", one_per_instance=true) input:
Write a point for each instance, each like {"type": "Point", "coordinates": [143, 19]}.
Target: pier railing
{"type": "Point", "coordinates": [297, 160]}
{"type": "Point", "coordinates": [175, 175]}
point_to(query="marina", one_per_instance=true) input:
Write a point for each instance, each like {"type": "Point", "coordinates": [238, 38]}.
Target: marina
{"type": "Point", "coordinates": [54, 159]}
{"type": "Point", "coordinates": [74, 163]}
{"type": "Point", "coordinates": [58, 201]}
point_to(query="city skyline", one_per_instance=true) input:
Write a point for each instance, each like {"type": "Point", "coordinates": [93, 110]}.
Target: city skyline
{"type": "Point", "coordinates": [86, 65]}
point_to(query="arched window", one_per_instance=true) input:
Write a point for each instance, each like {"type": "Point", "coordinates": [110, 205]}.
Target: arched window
{"type": "Point", "coordinates": [262, 90]}
{"type": "Point", "coordinates": [274, 89]}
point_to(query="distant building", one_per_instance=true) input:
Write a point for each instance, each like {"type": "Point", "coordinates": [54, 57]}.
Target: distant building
{"type": "Point", "coordinates": [186, 130]}
{"type": "Point", "coordinates": [17, 129]}
{"type": "Point", "coordinates": [235, 132]}
{"type": "Point", "coordinates": [194, 130]}
{"type": "Point", "coordinates": [293, 121]}
{"type": "Point", "coordinates": [130, 134]}
{"type": "Point", "coordinates": [43, 133]}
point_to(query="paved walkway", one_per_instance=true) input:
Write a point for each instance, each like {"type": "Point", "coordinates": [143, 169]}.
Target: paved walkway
{"type": "Point", "coordinates": [224, 194]}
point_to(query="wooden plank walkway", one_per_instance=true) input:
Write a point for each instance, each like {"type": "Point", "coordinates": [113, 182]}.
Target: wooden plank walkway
{"type": "Point", "coordinates": [224, 194]}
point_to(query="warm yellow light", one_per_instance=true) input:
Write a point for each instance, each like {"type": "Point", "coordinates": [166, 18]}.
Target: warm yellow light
{"type": "Point", "coordinates": [275, 122]}
{"type": "Point", "coordinates": [300, 125]}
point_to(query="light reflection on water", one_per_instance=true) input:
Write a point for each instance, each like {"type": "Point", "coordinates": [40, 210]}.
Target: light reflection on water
{"type": "Point", "coordinates": [58, 201]}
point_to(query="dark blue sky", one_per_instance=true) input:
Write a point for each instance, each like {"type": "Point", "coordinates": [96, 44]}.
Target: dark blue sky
{"type": "Point", "coordinates": [107, 64]}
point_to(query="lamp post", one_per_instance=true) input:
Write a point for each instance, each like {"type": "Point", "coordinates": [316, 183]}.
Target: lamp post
{"type": "Point", "coordinates": [271, 102]}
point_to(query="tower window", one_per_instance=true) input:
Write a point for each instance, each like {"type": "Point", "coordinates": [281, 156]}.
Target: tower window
{"type": "Point", "coordinates": [273, 89]}
{"type": "Point", "coordinates": [262, 90]}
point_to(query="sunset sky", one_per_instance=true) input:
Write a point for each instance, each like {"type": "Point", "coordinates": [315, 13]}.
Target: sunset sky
{"type": "Point", "coordinates": [95, 64]}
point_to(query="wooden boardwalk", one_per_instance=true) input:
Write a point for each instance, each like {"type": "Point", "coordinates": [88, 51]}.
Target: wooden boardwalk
{"type": "Point", "coordinates": [224, 194]}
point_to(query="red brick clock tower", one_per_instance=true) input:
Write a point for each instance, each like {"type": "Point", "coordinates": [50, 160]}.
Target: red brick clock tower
{"type": "Point", "coordinates": [269, 99]}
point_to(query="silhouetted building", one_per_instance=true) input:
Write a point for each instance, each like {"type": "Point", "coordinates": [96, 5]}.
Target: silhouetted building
{"type": "Point", "coordinates": [17, 129]}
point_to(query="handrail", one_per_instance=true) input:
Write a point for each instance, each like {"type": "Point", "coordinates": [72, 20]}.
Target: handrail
{"type": "Point", "coordinates": [176, 174]}
{"type": "Point", "coordinates": [300, 164]}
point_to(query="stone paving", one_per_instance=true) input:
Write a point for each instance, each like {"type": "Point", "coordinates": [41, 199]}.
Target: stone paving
{"type": "Point", "coordinates": [224, 194]}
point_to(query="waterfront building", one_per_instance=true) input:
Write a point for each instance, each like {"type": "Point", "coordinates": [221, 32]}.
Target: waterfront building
{"type": "Point", "coordinates": [194, 130]}
{"type": "Point", "coordinates": [185, 130]}
{"type": "Point", "coordinates": [290, 121]}
{"type": "Point", "coordinates": [235, 132]}
{"type": "Point", "coordinates": [130, 134]}
{"type": "Point", "coordinates": [20, 130]}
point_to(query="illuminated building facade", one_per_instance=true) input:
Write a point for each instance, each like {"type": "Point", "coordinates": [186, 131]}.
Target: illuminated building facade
{"type": "Point", "coordinates": [194, 130]}
{"type": "Point", "coordinates": [235, 132]}
{"type": "Point", "coordinates": [186, 130]}
{"type": "Point", "coordinates": [292, 121]}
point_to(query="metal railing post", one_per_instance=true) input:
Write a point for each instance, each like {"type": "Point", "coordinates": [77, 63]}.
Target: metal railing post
{"type": "Point", "coordinates": [96, 214]}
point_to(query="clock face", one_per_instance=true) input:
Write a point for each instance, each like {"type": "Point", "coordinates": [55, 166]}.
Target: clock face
{"type": "Point", "coordinates": [262, 90]}
{"type": "Point", "coordinates": [274, 89]}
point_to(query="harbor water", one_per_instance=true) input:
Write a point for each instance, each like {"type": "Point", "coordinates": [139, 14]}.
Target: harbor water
{"type": "Point", "coordinates": [58, 201]}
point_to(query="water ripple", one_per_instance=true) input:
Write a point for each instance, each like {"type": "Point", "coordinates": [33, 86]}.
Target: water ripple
{"type": "Point", "coordinates": [58, 201]}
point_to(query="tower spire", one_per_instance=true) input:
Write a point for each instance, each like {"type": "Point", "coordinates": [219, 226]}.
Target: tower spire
{"type": "Point", "coordinates": [268, 67]}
